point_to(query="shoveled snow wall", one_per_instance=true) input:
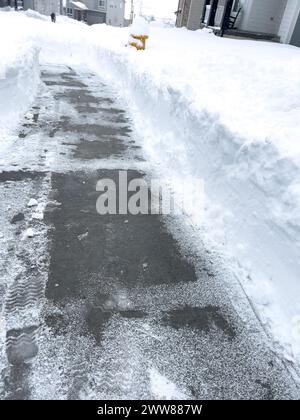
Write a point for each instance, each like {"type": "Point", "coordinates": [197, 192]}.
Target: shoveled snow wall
{"type": "Point", "coordinates": [19, 79]}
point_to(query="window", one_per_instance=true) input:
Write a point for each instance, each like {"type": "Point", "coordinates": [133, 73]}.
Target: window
{"type": "Point", "coordinates": [69, 11]}
{"type": "Point", "coordinates": [101, 3]}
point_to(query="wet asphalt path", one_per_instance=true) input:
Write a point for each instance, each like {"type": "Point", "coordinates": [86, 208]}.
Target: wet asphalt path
{"type": "Point", "coordinates": [98, 307]}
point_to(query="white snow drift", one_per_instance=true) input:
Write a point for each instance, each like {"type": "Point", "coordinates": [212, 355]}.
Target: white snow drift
{"type": "Point", "coordinates": [19, 76]}
{"type": "Point", "coordinates": [225, 110]}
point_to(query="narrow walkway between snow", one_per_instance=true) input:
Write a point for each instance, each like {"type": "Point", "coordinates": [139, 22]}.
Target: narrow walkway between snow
{"type": "Point", "coordinates": [111, 307]}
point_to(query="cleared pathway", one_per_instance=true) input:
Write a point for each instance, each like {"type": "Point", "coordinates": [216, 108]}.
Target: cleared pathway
{"type": "Point", "coordinates": [97, 307]}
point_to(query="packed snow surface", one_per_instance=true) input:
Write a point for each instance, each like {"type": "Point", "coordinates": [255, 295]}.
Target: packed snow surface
{"type": "Point", "coordinates": [224, 110]}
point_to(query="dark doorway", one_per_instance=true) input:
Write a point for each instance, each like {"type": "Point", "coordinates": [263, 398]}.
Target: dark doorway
{"type": "Point", "coordinates": [296, 35]}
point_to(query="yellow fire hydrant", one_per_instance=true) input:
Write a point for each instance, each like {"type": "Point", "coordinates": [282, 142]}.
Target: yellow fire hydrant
{"type": "Point", "coordinates": [139, 33]}
{"type": "Point", "coordinates": [139, 41]}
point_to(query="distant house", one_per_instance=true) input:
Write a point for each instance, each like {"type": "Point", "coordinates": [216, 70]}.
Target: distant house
{"type": "Point", "coordinates": [270, 19]}
{"type": "Point", "coordinates": [45, 7]}
{"type": "Point", "coordinates": [111, 12]}
{"type": "Point", "coordinates": [5, 3]}
{"type": "Point", "coordinates": [11, 3]}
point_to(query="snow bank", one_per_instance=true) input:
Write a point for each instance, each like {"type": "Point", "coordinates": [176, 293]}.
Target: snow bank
{"type": "Point", "coordinates": [227, 111]}
{"type": "Point", "coordinates": [23, 34]}
{"type": "Point", "coordinates": [19, 75]}
{"type": "Point", "coordinates": [35, 15]}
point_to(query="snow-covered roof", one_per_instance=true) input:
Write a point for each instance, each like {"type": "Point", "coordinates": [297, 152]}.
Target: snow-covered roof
{"type": "Point", "coordinates": [79, 5]}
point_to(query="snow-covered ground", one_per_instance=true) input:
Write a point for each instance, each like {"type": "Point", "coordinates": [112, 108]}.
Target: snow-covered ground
{"type": "Point", "coordinates": [224, 110]}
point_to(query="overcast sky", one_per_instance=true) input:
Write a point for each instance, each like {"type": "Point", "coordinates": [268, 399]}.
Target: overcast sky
{"type": "Point", "coordinates": [158, 8]}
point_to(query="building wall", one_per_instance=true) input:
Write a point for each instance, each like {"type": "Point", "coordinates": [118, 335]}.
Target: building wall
{"type": "Point", "coordinates": [95, 5]}
{"type": "Point", "coordinates": [195, 14]}
{"type": "Point", "coordinates": [94, 17]}
{"type": "Point", "coordinates": [45, 7]}
{"type": "Point", "coordinates": [220, 12]}
{"type": "Point", "coordinates": [186, 13]}
{"type": "Point", "coordinates": [262, 15]}
{"type": "Point", "coordinates": [111, 12]}
{"type": "Point", "coordinates": [278, 17]}
{"type": "Point", "coordinates": [244, 4]}
{"type": "Point", "coordinates": [181, 4]}
{"type": "Point", "coordinates": [289, 20]}
{"type": "Point", "coordinates": [115, 12]}
{"type": "Point", "coordinates": [5, 3]}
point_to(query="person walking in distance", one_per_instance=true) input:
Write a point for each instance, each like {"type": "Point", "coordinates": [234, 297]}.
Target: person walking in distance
{"type": "Point", "coordinates": [53, 17]}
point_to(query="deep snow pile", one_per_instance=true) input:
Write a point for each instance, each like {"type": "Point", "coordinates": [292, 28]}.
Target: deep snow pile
{"type": "Point", "coordinates": [19, 77]}
{"type": "Point", "coordinates": [228, 111]}
{"type": "Point", "coordinates": [224, 110]}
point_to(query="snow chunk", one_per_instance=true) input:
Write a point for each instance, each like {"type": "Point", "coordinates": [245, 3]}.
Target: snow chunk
{"type": "Point", "coordinates": [39, 212]}
{"type": "Point", "coordinates": [83, 236]}
{"type": "Point", "coordinates": [29, 233]}
{"type": "Point", "coordinates": [37, 216]}
{"type": "Point", "coordinates": [32, 203]}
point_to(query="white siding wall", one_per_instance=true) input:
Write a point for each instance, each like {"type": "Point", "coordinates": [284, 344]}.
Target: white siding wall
{"type": "Point", "coordinates": [45, 7]}
{"type": "Point", "coordinates": [115, 12]}
{"type": "Point", "coordinates": [263, 15]}
{"type": "Point", "coordinates": [289, 20]}
{"type": "Point", "coordinates": [244, 4]}
{"type": "Point", "coordinates": [195, 15]}
{"type": "Point", "coordinates": [180, 15]}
